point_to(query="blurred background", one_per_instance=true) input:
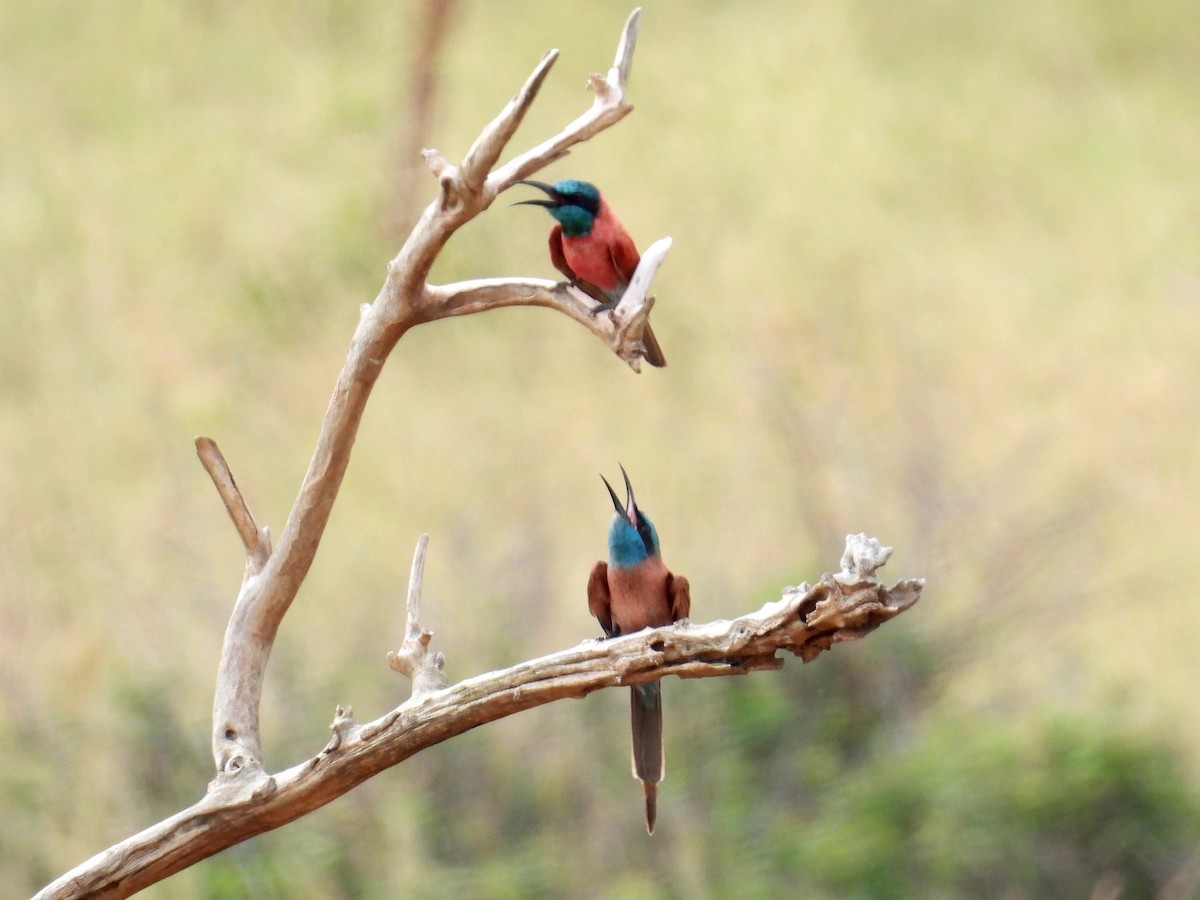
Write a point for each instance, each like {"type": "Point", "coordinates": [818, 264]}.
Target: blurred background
{"type": "Point", "coordinates": [936, 277]}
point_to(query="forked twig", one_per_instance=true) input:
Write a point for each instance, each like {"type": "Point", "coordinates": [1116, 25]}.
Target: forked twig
{"type": "Point", "coordinates": [242, 799]}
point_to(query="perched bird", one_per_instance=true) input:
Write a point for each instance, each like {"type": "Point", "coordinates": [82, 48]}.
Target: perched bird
{"type": "Point", "coordinates": [632, 591]}
{"type": "Point", "coordinates": [591, 247]}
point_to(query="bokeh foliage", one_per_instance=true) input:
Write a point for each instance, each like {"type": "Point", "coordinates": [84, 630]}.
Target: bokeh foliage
{"type": "Point", "coordinates": [935, 277]}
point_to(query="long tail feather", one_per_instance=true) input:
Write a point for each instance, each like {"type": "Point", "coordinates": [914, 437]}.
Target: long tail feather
{"type": "Point", "coordinates": [651, 791]}
{"type": "Point", "coordinates": [654, 354]}
{"type": "Point", "coordinates": [645, 705]}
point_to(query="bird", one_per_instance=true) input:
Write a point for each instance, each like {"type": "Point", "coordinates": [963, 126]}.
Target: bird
{"type": "Point", "coordinates": [632, 591]}
{"type": "Point", "coordinates": [590, 246]}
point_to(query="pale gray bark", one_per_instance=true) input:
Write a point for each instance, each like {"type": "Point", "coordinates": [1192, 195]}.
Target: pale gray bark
{"type": "Point", "coordinates": [243, 800]}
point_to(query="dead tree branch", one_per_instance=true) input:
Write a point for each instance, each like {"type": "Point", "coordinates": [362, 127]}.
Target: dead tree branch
{"type": "Point", "coordinates": [273, 577]}
{"type": "Point", "coordinates": [413, 659]}
{"type": "Point", "coordinates": [804, 622]}
{"type": "Point", "coordinates": [405, 300]}
{"type": "Point", "coordinates": [242, 799]}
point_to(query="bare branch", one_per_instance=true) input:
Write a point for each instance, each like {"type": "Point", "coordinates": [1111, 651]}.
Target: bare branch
{"type": "Point", "coordinates": [413, 659]}
{"type": "Point", "coordinates": [242, 799]}
{"type": "Point", "coordinates": [805, 621]}
{"type": "Point", "coordinates": [609, 106]}
{"type": "Point", "coordinates": [257, 542]}
{"type": "Point", "coordinates": [623, 62]}
{"type": "Point", "coordinates": [404, 301]}
{"type": "Point", "coordinates": [493, 139]}
{"type": "Point", "coordinates": [621, 329]}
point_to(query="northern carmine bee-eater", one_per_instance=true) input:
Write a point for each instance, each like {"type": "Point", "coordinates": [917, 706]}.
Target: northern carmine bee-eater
{"type": "Point", "coordinates": [632, 591]}
{"type": "Point", "coordinates": [591, 247]}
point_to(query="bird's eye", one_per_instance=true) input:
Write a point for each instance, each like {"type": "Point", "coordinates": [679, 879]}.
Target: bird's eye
{"type": "Point", "coordinates": [643, 530]}
{"type": "Point", "coordinates": [582, 200]}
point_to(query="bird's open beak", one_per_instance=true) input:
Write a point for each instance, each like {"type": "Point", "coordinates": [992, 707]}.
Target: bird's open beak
{"type": "Point", "coordinates": [629, 510]}
{"type": "Point", "coordinates": [553, 202]}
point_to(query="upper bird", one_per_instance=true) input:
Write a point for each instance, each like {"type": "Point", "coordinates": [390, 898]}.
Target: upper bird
{"type": "Point", "coordinates": [591, 247]}
{"type": "Point", "coordinates": [632, 591]}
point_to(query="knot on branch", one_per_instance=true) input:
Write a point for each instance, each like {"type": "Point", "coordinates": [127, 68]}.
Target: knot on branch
{"type": "Point", "coordinates": [342, 727]}
{"type": "Point", "coordinates": [449, 178]}
{"type": "Point", "coordinates": [414, 660]}
{"type": "Point", "coordinates": [240, 779]}
{"type": "Point", "coordinates": [608, 94]}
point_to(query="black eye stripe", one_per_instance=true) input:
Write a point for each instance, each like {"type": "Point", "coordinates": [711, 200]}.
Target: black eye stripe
{"type": "Point", "coordinates": [643, 530]}
{"type": "Point", "coordinates": [588, 204]}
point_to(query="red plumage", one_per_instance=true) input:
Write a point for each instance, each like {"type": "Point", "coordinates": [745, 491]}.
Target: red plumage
{"type": "Point", "coordinates": [625, 601]}
{"type": "Point", "coordinates": [602, 263]}
{"type": "Point", "coordinates": [605, 257]}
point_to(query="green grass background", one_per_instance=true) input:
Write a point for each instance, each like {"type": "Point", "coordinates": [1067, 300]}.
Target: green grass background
{"type": "Point", "coordinates": [935, 277]}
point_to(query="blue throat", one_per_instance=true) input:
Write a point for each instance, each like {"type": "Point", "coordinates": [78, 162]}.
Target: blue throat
{"type": "Point", "coordinates": [575, 220]}
{"type": "Point", "coordinates": [580, 205]}
{"type": "Point", "coordinates": [626, 545]}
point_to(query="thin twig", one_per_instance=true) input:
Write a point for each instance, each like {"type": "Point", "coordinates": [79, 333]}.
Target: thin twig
{"type": "Point", "coordinates": [424, 669]}
{"type": "Point", "coordinates": [416, 579]}
{"type": "Point", "coordinates": [256, 542]}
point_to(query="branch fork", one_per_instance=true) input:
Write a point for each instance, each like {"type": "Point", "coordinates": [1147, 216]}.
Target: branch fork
{"type": "Point", "coordinates": [406, 299]}
{"type": "Point", "coordinates": [472, 187]}
{"type": "Point", "coordinates": [244, 800]}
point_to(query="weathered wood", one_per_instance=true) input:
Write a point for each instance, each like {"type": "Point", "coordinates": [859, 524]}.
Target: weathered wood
{"type": "Point", "coordinates": [805, 621]}
{"type": "Point", "coordinates": [404, 301]}
{"type": "Point", "coordinates": [424, 669]}
{"type": "Point", "coordinates": [243, 800]}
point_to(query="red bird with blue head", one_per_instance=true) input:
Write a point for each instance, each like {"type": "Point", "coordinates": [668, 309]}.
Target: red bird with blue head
{"type": "Point", "coordinates": [591, 247]}
{"type": "Point", "coordinates": [632, 591]}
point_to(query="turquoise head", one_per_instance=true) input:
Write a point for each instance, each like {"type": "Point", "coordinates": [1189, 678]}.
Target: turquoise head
{"type": "Point", "coordinates": [575, 204]}
{"type": "Point", "coordinates": [632, 538]}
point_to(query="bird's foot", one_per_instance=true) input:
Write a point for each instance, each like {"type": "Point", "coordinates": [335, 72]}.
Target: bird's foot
{"type": "Point", "coordinates": [601, 307]}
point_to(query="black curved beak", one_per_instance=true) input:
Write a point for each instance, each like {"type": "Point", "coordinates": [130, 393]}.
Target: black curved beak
{"type": "Point", "coordinates": [554, 201]}
{"type": "Point", "coordinates": [629, 510]}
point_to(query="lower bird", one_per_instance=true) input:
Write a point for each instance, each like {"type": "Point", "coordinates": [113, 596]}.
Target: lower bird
{"type": "Point", "coordinates": [591, 247]}
{"type": "Point", "coordinates": [632, 591]}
